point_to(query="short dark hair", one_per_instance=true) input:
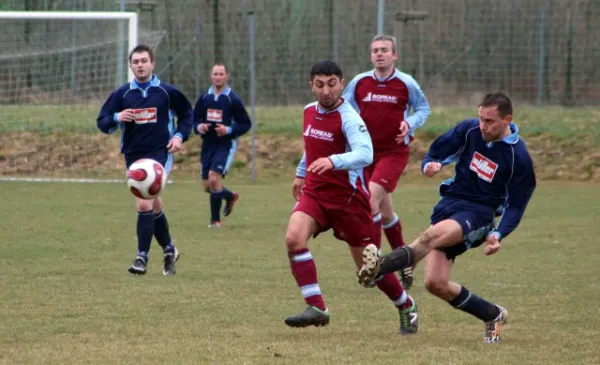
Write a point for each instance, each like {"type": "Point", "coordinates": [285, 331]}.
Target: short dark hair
{"type": "Point", "coordinates": [142, 48]}
{"type": "Point", "coordinates": [500, 100]}
{"type": "Point", "coordinates": [327, 68]}
{"type": "Point", "coordinates": [221, 64]}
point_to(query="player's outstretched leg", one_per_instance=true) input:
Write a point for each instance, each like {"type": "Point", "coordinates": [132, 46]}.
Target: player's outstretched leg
{"type": "Point", "coordinates": [312, 316]}
{"type": "Point", "coordinates": [374, 266]}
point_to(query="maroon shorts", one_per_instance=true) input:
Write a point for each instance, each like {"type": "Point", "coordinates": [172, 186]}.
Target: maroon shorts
{"type": "Point", "coordinates": [350, 220]}
{"type": "Point", "coordinates": [387, 167]}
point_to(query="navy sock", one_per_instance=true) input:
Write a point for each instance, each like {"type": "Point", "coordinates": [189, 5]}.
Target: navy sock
{"type": "Point", "coordinates": [216, 198]}
{"type": "Point", "coordinates": [474, 305]}
{"type": "Point", "coordinates": [161, 232]}
{"type": "Point", "coordinates": [145, 230]}
{"type": "Point", "coordinates": [227, 194]}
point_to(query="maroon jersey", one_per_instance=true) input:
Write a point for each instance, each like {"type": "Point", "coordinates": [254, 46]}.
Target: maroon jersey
{"type": "Point", "coordinates": [384, 103]}
{"type": "Point", "coordinates": [341, 135]}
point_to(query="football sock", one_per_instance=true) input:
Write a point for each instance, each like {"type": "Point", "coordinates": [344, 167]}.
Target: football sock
{"type": "Point", "coordinates": [391, 287]}
{"type": "Point", "coordinates": [474, 305]}
{"type": "Point", "coordinates": [216, 198]}
{"type": "Point", "coordinates": [227, 194]}
{"type": "Point", "coordinates": [305, 272]}
{"type": "Point", "coordinates": [145, 230]}
{"type": "Point", "coordinates": [161, 232]}
{"type": "Point", "coordinates": [393, 233]}
{"type": "Point", "coordinates": [377, 230]}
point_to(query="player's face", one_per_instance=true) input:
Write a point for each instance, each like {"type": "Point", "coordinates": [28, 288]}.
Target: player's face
{"type": "Point", "coordinates": [141, 66]}
{"type": "Point", "coordinates": [219, 77]}
{"type": "Point", "coordinates": [327, 89]}
{"type": "Point", "coordinates": [382, 55]}
{"type": "Point", "coordinates": [493, 126]}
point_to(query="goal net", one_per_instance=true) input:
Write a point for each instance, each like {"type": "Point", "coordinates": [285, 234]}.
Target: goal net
{"type": "Point", "coordinates": [57, 67]}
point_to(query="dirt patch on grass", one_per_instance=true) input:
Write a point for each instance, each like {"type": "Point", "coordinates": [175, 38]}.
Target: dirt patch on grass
{"type": "Point", "coordinates": [97, 154]}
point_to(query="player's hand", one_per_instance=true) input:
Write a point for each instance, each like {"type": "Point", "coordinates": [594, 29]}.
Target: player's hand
{"type": "Point", "coordinates": [404, 129]}
{"type": "Point", "coordinates": [127, 115]}
{"type": "Point", "coordinates": [221, 130]}
{"type": "Point", "coordinates": [297, 187]}
{"type": "Point", "coordinates": [203, 128]}
{"type": "Point", "coordinates": [320, 166]}
{"type": "Point", "coordinates": [492, 244]}
{"type": "Point", "coordinates": [174, 145]}
{"type": "Point", "coordinates": [432, 168]}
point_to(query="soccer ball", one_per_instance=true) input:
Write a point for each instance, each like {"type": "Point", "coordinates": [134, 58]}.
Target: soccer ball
{"type": "Point", "coordinates": [146, 178]}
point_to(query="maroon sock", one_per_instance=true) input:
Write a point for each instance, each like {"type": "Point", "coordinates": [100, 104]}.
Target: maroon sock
{"type": "Point", "coordinates": [393, 233]}
{"type": "Point", "coordinates": [305, 273]}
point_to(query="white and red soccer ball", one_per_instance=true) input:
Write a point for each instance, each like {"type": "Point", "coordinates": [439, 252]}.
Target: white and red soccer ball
{"type": "Point", "coordinates": [146, 178]}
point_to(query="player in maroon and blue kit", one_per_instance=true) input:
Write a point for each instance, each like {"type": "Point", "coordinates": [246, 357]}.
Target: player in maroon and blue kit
{"type": "Point", "coordinates": [384, 97]}
{"type": "Point", "coordinates": [332, 194]}
{"type": "Point", "coordinates": [493, 175]}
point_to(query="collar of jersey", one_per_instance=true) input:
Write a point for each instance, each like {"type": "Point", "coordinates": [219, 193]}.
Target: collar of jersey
{"type": "Point", "coordinates": [511, 139]}
{"type": "Point", "coordinates": [387, 78]}
{"type": "Point", "coordinates": [226, 90]}
{"type": "Point", "coordinates": [153, 82]}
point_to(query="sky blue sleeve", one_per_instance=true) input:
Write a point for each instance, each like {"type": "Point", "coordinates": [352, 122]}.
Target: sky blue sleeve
{"type": "Point", "coordinates": [447, 147]}
{"type": "Point", "coordinates": [350, 92]}
{"type": "Point", "coordinates": [419, 104]}
{"type": "Point", "coordinates": [301, 169]}
{"type": "Point", "coordinates": [520, 189]}
{"type": "Point", "coordinates": [361, 147]}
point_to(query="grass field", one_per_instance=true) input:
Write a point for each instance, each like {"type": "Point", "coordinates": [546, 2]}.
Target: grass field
{"type": "Point", "coordinates": [557, 122]}
{"type": "Point", "coordinates": [66, 296]}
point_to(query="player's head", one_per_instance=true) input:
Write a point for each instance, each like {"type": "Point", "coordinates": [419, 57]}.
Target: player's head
{"type": "Point", "coordinates": [219, 75]}
{"type": "Point", "coordinates": [327, 83]}
{"type": "Point", "coordinates": [495, 115]}
{"type": "Point", "coordinates": [141, 62]}
{"type": "Point", "coordinates": [383, 52]}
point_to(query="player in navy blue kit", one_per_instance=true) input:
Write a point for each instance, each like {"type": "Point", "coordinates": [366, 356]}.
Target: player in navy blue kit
{"type": "Point", "coordinates": [144, 111]}
{"type": "Point", "coordinates": [220, 118]}
{"type": "Point", "coordinates": [493, 175]}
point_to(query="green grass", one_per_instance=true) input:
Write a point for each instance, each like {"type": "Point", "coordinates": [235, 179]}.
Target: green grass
{"type": "Point", "coordinates": [66, 297]}
{"type": "Point", "coordinates": [557, 122]}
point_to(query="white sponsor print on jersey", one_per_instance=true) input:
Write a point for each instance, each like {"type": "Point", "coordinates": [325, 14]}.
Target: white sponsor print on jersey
{"type": "Point", "coordinates": [144, 116]}
{"type": "Point", "coordinates": [483, 166]}
{"type": "Point", "coordinates": [380, 98]}
{"type": "Point", "coordinates": [214, 115]}
{"type": "Point", "coordinates": [318, 134]}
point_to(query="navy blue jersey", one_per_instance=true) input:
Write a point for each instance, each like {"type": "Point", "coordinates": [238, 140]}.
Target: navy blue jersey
{"type": "Point", "coordinates": [155, 108]}
{"type": "Point", "coordinates": [498, 175]}
{"type": "Point", "coordinates": [225, 108]}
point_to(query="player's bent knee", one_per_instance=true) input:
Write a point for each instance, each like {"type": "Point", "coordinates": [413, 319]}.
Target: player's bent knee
{"type": "Point", "coordinates": [143, 205]}
{"type": "Point", "coordinates": [436, 286]}
{"type": "Point", "coordinates": [293, 242]}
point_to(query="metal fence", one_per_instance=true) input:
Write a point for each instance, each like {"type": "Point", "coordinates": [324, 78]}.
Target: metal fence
{"type": "Point", "coordinates": [540, 51]}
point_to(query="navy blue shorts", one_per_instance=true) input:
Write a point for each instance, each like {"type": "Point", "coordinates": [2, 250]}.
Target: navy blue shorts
{"type": "Point", "coordinates": [217, 158]}
{"type": "Point", "coordinates": [161, 156]}
{"type": "Point", "coordinates": [476, 221]}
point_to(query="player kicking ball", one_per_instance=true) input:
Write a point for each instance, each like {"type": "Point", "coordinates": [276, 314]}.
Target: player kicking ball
{"type": "Point", "coordinates": [332, 193]}
{"type": "Point", "coordinates": [494, 173]}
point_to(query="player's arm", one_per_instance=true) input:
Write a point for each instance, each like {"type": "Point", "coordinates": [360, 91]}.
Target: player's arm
{"type": "Point", "coordinates": [520, 189]}
{"type": "Point", "coordinates": [361, 147]}
{"type": "Point", "coordinates": [419, 104]}
{"type": "Point", "coordinates": [301, 169]}
{"type": "Point", "coordinates": [350, 93]}
{"type": "Point", "coordinates": [107, 120]}
{"type": "Point", "coordinates": [199, 114]}
{"type": "Point", "coordinates": [183, 110]}
{"type": "Point", "coordinates": [241, 122]}
{"type": "Point", "coordinates": [447, 147]}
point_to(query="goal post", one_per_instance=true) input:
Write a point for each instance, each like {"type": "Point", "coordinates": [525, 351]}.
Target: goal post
{"type": "Point", "coordinates": [131, 17]}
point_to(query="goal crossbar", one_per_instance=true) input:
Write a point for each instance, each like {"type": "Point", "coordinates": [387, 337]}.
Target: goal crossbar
{"type": "Point", "coordinates": [131, 17]}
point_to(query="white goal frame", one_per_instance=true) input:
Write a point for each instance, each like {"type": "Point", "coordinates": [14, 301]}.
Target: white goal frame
{"type": "Point", "coordinates": [131, 17]}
